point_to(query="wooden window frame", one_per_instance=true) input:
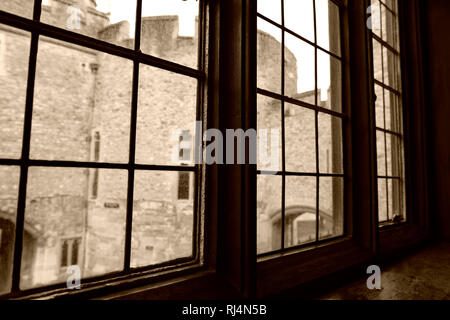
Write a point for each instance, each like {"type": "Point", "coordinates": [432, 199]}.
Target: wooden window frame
{"type": "Point", "coordinates": [336, 116]}
{"type": "Point", "coordinates": [416, 229]}
{"type": "Point", "coordinates": [364, 242]}
{"type": "Point", "coordinates": [230, 267]}
{"type": "Point", "coordinates": [128, 276]}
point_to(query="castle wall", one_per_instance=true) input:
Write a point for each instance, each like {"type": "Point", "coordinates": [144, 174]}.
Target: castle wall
{"type": "Point", "coordinates": [14, 53]}
{"type": "Point", "coordinates": [18, 7]}
{"type": "Point", "coordinates": [162, 224]}
{"type": "Point", "coordinates": [64, 13]}
{"type": "Point", "coordinates": [269, 65]}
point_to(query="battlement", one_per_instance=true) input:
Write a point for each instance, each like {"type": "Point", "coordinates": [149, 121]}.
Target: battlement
{"type": "Point", "coordinates": [269, 64]}
{"type": "Point", "coordinates": [92, 21]}
{"type": "Point", "coordinates": [116, 32]}
{"type": "Point", "coordinates": [161, 33]}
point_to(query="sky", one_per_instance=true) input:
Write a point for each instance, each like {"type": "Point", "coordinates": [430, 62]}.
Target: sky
{"type": "Point", "coordinates": [126, 10]}
{"type": "Point", "coordinates": [298, 17]}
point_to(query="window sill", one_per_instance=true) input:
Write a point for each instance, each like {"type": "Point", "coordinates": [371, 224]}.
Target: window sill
{"type": "Point", "coordinates": [285, 271]}
{"type": "Point", "coordinates": [398, 237]}
{"type": "Point", "coordinates": [203, 285]}
{"type": "Point", "coordinates": [118, 285]}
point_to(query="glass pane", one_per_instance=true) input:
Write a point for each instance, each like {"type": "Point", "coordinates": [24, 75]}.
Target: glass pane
{"type": "Point", "coordinates": [379, 109]}
{"type": "Point", "coordinates": [299, 69]}
{"type": "Point", "coordinates": [105, 240]}
{"type": "Point", "coordinates": [391, 67]}
{"type": "Point", "coordinates": [166, 109]}
{"type": "Point", "coordinates": [93, 99]}
{"type": "Point", "coordinates": [331, 205]}
{"type": "Point", "coordinates": [269, 213]}
{"type": "Point", "coordinates": [9, 187]}
{"type": "Point", "coordinates": [269, 57]}
{"type": "Point", "coordinates": [382, 201]}
{"type": "Point", "coordinates": [329, 82]}
{"type": "Point", "coordinates": [394, 117]}
{"type": "Point", "coordinates": [14, 56]}
{"type": "Point", "coordinates": [169, 30]}
{"type": "Point", "coordinates": [300, 213]}
{"type": "Point", "coordinates": [108, 20]}
{"type": "Point", "coordinates": [328, 26]}
{"type": "Point", "coordinates": [300, 131]}
{"type": "Point", "coordinates": [389, 27]}
{"type": "Point", "coordinates": [162, 223]}
{"type": "Point", "coordinates": [391, 4]}
{"type": "Point", "coordinates": [391, 200]}
{"type": "Point", "coordinates": [330, 144]}
{"type": "Point", "coordinates": [270, 9]}
{"type": "Point", "coordinates": [381, 154]}
{"type": "Point", "coordinates": [299, 17]}
{"type": "Point", "coordinates": [60, 213]}
{"type": "Point", "coordinates": [396, 200]}
{"type": "Point", "coordinates": [269, 134]}
{"type": "Point", "coordinates": [391, 156]}
{"type": "Point", "coordinates": [375, 17]}
{"type": "Point", "coordinates": [22, 8]}
{"type": "Point", "coordinates": [377, 61]}
{"type": "Point", "coordinates": [395, 155]}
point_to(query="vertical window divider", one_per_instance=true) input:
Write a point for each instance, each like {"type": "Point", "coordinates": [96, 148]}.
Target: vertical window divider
{"type": "Point", "coordinates": [316, 119]}
{"type": "Point", "coordinates": [133, 126]}
{"type": "Point", "coordinates": [283, 133]}
{"type": "Point", "coordinates": [24, 163]}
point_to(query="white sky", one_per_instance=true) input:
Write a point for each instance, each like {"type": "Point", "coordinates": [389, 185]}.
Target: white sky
{"type": "Point", "coordinates": [126, 10]}
{"type": "Point", "coordinates": [298, 17]}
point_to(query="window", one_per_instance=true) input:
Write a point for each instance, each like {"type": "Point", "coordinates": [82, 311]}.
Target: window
{"type": "Point", "coordinates": [298, 69]}
{"type": "Point", "coordinates": [117, 69]}
{"type": "Point", "coordinates": [388, 112]}
{"type": "Point", "coordinates": [70, 252]}
{"type": "Point", "coordinates": [299, 76]}
{"type": "Point", "coordinates": [183, 185]}
{"type": "Point", "coordinates": [301, 224]}
{"type": "Point", "coordinates": [2, 54]}
{"type": "Point", "coordinates": [96, 157]}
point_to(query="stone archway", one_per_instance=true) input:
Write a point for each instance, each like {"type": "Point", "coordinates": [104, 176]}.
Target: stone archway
{"type": "Point", "coordinates": [295, 234]}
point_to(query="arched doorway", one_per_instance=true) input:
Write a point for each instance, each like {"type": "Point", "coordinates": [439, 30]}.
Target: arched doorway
{"type": "Point", "coordinates": [300, 226]}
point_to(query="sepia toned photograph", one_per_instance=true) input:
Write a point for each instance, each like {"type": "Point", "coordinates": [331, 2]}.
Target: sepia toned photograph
{"type": "Point", "coordinates": [224, 150]}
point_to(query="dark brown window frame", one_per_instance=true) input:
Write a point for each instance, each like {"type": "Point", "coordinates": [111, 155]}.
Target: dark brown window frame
{"type": "Point", "coordinates": [396, 156]}
{"type": "Point", "coordinates": [121, 278]}
{"type": "Point", "coordinates": [364, 242]}
{"type": "Point", "coordinates": [230, 267]}
{"type": "Point", "coordinates": [341, 115]}
{"type": "Point", "coordinates": [416, 229]}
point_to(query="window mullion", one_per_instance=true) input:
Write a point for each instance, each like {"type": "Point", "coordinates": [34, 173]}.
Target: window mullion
{"type": "Point", "coordinates": [283, 134]}
{"type": "Point", "coordinates": [20, 220]}
{"type": "Point", "coordinates": [133, 130]}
